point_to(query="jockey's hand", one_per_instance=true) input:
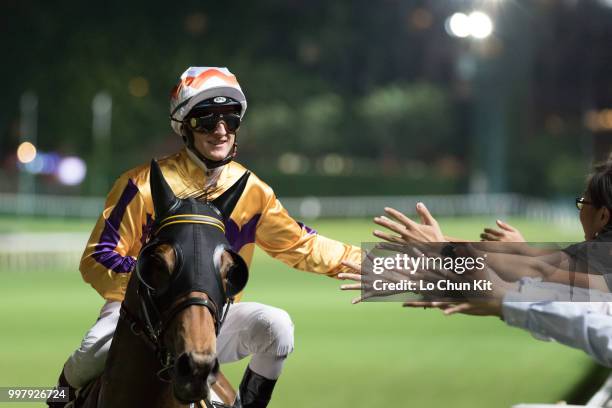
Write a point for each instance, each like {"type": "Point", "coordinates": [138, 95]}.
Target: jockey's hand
{"type": "Point", "coordinates": [506, 233]}
{"type": "Point", "coordinates": [363, 281]}
{"type": "Point", "coordinates": [409, 231]}
{"type": "Point", "coordinates": [476, 307]}
{"type": "Point", "coordinates": [355, 277]}
{"type": "Point", "coordinates": [360, 281]}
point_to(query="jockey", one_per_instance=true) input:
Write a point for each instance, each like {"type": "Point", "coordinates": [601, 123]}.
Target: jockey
{"type": "Point", "coordinates": [206, 110]}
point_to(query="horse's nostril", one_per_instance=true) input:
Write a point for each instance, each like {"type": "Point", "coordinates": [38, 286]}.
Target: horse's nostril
{"type": "Point", "coordinates": [195, 364]}
{"type": "Point", "coordinates": [183, 365]}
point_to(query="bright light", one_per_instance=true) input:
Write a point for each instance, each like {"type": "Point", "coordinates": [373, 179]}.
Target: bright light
{"type": "Point", "coordinates": [458, 25]}
{"type": "Point", "coordinates": [71, 171]}
{"type": "Point", "coordinates": [26, 152]}
{"type": "Point", "coordinates": [480, 25]}
{"type": "Point", "coordinates": [477, 25]}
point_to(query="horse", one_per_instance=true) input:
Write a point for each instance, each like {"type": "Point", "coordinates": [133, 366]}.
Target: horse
{"type": "Point", "coordinates": [163, 352]}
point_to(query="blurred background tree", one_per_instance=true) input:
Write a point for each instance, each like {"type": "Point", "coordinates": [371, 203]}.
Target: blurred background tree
{"type": "Point", "coordinates": [346, 89]}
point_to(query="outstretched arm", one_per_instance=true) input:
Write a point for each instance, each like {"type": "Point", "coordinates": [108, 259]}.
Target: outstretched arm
{"type": "Point", "coordinates": [299, 246]}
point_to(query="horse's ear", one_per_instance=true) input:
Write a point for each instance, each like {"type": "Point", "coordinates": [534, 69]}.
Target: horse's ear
{"type": "Point", "coordinates": [163, 197]}
{"type": "Point", "coordinates": [227, 201]}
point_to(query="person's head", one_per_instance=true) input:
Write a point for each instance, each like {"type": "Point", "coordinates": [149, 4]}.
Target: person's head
{"type": "Point", "coordinates": [596, 211]}
{"type": "Point", "coordinates": [206, 108]}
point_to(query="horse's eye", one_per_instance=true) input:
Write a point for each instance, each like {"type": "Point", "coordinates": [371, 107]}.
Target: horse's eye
{"type": "Point", "coordinates": [155, 267]}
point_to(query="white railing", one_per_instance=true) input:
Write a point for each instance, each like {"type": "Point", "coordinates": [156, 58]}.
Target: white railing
{"type": "Point", "coordinates": [502, 204]}
{"type": "Point", "coordinates": [42, 250]}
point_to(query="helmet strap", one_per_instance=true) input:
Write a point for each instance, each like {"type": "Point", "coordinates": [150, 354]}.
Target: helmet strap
{"type": "Point", "coordinates": [204, 161]}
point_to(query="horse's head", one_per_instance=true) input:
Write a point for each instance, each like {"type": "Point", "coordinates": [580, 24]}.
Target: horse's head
{"type": "Point", "coordinates": [187, 275]}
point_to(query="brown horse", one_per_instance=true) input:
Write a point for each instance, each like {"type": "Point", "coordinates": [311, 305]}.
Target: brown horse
{"type": "Point", "coordinates": [164, 349]}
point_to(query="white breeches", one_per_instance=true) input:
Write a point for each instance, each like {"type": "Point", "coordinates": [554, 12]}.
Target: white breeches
{"type": "Point", "coordinates": [250, 328]}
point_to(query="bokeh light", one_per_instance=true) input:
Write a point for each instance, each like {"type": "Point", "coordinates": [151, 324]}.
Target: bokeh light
{"type": "Point", "coordinates": [71, 171]}
{"type": "Point", "coordinates": [477, 25]}
{"type": "Point", "coordinates": [421, 19]}
{"type": "Point", "coordinates": [480, 25]}
{"type": "Point", "coordinates": [26, 152]}
{"type": "Point", "coordinates": [458, 25]}
{"type": "Point", "coordinates": [138, 87]}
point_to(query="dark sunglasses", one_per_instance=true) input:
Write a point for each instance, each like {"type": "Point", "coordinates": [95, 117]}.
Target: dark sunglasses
{"type": "Point", "coordinates": [581, 201]}
{"type": "Point", "coordinates": [208, 123]}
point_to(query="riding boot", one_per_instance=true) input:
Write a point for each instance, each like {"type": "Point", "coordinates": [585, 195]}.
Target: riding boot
{"type": "Point", "coordinates": [62, 382]}
{"type": "Point", "coordinates": [255, 390]}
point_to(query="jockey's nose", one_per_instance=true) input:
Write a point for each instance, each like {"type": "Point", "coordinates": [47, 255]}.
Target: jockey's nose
{"type": "Point", "coordinates": [221, 128]}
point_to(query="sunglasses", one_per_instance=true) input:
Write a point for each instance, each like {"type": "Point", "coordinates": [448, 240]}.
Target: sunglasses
{"type": "Point", "coordinates": [208, 123]}
{"type": "Point", "coordinates": [581, 201]}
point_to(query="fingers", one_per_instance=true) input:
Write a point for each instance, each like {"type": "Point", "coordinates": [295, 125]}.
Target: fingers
{"type": "Point", "coordinates": [418, 303]}
{"type": "Point", "coordinates": [426, 217]}
{"type": "Point", "coordinates": [390, 224]}
{"type": "Point", "coordinates": [462, 307]}
{"type": "Point", "coordinates": [388, 246]}
{"type": "Point", "coordinates": [489, 237]}
{"type": "Point", "coordinates": [505, 226]}
{"type": "Point", "coordinates": [350, 276]}
{"type": "Point", "coordinates": [493, 231]}
{"type": "Point", "coordinates": [356, 300]}
{"type": "Point", "coordinates": [351, 286]}
{"type": "Point", "coordinates": [351, 265]}
{"type": "Point", "coordinates": [388, 237]}
{"type": "Point", "coordinates": [407, 222]}
{"type": "Point", "coordinates": [425, 304]}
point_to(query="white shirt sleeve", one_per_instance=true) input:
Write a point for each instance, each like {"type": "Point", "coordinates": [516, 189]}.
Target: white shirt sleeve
{"type": "Point", "coordinates": [583, 325]}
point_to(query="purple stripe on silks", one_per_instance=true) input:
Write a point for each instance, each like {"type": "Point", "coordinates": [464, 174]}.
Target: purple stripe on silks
{"type": "Point", "coordinates": [309, 230]}
{"type": "Point", "coordinates": [104, 252]}
{"type": "Point", "coordinates": [239, 237]}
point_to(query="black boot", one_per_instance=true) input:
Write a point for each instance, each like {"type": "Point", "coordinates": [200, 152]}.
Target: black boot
{"type": "Point", "coordinates": [62, 382]}
{"type": "Point", "coordinates": [255, 390]}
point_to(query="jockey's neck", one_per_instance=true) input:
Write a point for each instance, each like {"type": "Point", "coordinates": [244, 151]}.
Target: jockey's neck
{"type": "Point", "coordinates": [212, 175]}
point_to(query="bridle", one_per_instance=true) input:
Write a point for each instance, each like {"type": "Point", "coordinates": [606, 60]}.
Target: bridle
{"type": "Point", "coordinates": [151, 324]}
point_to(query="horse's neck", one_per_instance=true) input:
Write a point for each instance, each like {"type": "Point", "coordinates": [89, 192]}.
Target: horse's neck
{"type": "Point", "coordinates": [130, 377]}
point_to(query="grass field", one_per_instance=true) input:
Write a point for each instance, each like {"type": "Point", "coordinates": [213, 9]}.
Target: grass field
{"type": "Point", "coordinates": [374, 354]}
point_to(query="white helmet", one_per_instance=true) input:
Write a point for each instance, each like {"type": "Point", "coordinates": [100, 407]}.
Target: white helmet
{"type": "Point", "coordinates": [198, 84]}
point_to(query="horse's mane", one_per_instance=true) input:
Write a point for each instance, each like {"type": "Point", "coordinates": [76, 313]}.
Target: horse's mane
{"type": "Point", "coordinates": [203, 195]}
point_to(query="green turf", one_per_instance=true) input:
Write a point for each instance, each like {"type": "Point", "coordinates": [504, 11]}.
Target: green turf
{"type": "Point", "coordinates": [346, 356]}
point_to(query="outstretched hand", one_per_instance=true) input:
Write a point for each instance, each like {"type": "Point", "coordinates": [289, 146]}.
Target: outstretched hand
{"type": "Point", "coordinates": [355, 277]}
{"type": "Point", "coordinates": [408, 230]}
{"type": "Point", "coordinates": [484, 307]}
{"type": "Point", "coordinates": [506, 233]}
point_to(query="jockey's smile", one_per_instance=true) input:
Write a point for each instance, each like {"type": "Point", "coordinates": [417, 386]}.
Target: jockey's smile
{"type": "Point", "coordinates": [217, 144]}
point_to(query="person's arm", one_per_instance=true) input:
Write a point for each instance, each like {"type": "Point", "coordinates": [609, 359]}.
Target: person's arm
{"type": "Point", "coordinates": [299, 246]}
{"type": "Point", "coordinates": [579, 279]}
{"type": "Point", "coordinates": [535, 307]}
{"type": "Point", "coordinates": [581, 325]}
{"type": "Point", "coordinates": [110, 254]}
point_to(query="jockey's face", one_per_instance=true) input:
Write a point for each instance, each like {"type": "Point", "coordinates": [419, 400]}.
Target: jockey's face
{"type": "Point", "coordinates": [215, 145]}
